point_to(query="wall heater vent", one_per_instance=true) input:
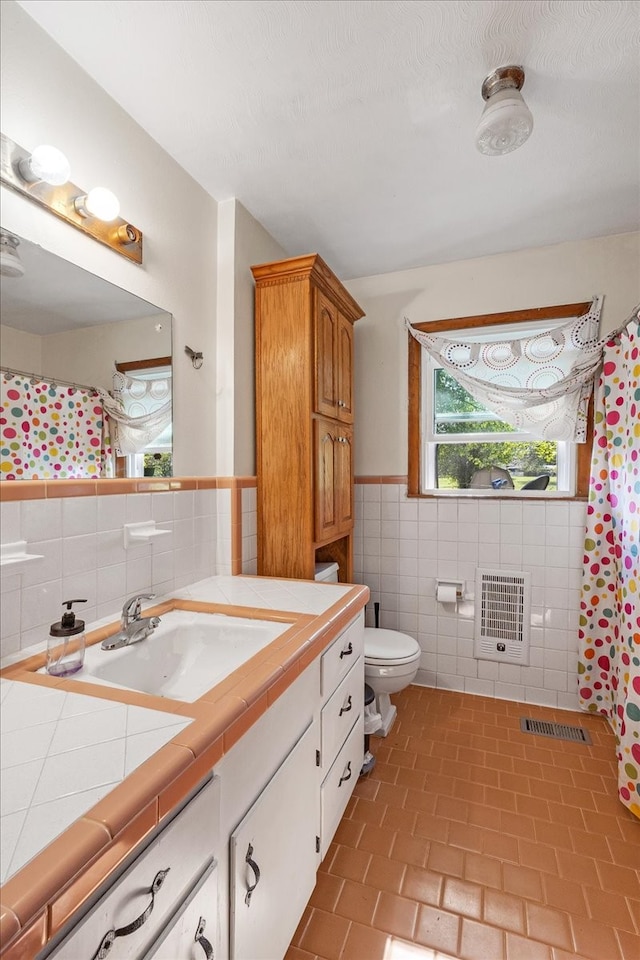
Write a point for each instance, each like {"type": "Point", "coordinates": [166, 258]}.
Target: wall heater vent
{"type": "Point", "coordinates": [503, 613]}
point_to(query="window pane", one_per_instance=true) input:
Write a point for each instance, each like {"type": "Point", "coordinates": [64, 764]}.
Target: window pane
{"type": "Point", "coordinates": [456, 411]}
{"type": "Point", "coordinates": [508, 465]}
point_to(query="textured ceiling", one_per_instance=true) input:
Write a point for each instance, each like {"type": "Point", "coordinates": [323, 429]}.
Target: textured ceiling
{"type": "Point", "coordinates": [346, 126]}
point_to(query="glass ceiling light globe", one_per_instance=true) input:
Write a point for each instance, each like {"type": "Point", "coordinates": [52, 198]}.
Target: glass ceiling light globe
{"type": "Point", "coordinates": [99, 203]}
{"type": "Point", "coordinates": [506, 122]}
{"type": "Point", "coordinates": [10, 263]}
{"type": "Point", "coordinates": [47, 164]}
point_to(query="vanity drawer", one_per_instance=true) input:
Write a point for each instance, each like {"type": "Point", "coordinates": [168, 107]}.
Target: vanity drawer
{"type": "Point", "coordinates": [338, 659]}
{"type": "Point", "coordinates": [192, 931]}
{"type": "Point", "coordinates": [183, 849]}
{"type": "Point", "coordinates": [339, 783]}
{"type": "Point", "coordinates": [340, 712]}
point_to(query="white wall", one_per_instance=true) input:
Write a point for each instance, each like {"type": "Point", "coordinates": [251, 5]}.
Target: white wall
{"type": "Point", "coordinates": [564, 273]}
{"type": "Point", "coordinates": [47, 98]}
{"type": "Point", "coordinates": [87, 355]}
{"type": "Point", "coordinates": [242, 242]}
{"type": "Point", "coordinates": [403, 545]}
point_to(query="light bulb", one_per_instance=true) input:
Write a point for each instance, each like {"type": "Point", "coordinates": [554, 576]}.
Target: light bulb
{"type": "Point", "coordinates": [47, 164]}
{"type": "Point", "coordinates": [99, 203]}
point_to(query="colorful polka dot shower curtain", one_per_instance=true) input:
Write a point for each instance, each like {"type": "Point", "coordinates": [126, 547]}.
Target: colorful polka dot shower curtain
{"type": "Point", "coordinates": [609, 637]}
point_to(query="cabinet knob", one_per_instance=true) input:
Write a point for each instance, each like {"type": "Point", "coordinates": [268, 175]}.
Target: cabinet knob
{"type": "Point", "coordinates": [341, 403]}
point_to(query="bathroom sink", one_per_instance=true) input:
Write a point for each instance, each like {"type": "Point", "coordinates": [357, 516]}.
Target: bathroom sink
{"type": "Point", "coordinates": [186, 655]}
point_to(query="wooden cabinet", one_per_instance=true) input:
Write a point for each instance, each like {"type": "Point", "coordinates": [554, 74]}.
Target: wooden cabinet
{"type": "Point", "coordinates": [304, 417]}
{"type": "Point", "coordinates": [332, 445]}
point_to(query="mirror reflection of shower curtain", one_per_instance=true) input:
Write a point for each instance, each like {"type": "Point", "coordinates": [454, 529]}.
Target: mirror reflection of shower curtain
{"type": "Point", "coordinates": [609, 635]}
{"type": "Point", "coordinates": [51, 431]}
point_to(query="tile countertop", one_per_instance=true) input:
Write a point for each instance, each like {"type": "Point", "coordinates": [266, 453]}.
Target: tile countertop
{"type": "Point", "coordinates": [88, 771]}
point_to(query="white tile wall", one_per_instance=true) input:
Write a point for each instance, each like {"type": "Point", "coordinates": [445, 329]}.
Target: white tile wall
{"type": "Point", "coordinates": [81, 543]}
{"type": "Point", "coordinates": [249, 530]}
{"type": "Point", "coordinates": [416, 542]}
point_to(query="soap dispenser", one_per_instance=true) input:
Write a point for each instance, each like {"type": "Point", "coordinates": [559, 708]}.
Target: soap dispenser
{"type": "Point", "coordinates": [65, 645]}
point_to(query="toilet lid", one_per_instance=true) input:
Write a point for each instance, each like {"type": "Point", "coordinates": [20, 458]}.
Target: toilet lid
{"type": "Point", "coordinates": [388, 645]}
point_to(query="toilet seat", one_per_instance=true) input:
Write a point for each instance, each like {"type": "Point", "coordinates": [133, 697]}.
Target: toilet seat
{"type": "Point", "coordinates": [382, 647]}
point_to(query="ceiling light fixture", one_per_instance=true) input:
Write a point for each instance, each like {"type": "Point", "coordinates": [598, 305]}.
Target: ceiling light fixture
{"type": "Point", "coordinates": [46, 164]}
{"type": "Point", "coordinates": [10, 263]}
{"type": "Point", "coordinates": [506, 121]}
{"type": "Point", "coordinates": [99, 203]}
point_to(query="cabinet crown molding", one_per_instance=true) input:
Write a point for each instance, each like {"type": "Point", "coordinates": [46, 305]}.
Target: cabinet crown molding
{"type": "Point", "coordinates": [313, 268]}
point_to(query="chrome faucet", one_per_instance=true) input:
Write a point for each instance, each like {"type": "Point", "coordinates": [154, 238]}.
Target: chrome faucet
{"type": "Point", "coordinates": [133, 626]}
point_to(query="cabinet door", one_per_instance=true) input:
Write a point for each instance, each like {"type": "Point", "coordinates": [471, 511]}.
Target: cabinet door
{"type": "Point", "coordinates": [343, 479]}
{"type": "Point", "coordinates": [273, 857]}
{"type": "Point", "coordinates": [344, 369]}
{"type": "Point", "coordinates": [325, 442]}
{"type": "Point", "coordinates": [325, 374]}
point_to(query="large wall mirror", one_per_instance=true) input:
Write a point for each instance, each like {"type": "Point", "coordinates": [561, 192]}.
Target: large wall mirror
{"type": "Point", "coordinates": [66, 335]}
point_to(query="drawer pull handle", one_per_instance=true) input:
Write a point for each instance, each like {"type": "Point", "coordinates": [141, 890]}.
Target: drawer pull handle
{"type": "Point", "coordinates": [346, 775]}
{"type": "Point", "coordinates": [111, 935]}
{"type": "Point", "coordinates": [202, 940]}
{"type": "Point", "coordinates": [346, 708]}
{"type": "Point", "coordinates": [348, 650]}
{"type": "Point", "coordinates": [256, 871]}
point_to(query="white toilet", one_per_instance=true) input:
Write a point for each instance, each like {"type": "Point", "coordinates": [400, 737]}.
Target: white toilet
{"type": "Point", "coordinates": [391, 661]}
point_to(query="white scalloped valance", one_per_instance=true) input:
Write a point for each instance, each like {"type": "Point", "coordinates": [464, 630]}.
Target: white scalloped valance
{"type": "Point", "coordinates": [540, 383]}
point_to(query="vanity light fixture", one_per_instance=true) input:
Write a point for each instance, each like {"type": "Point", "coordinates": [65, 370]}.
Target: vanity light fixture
{"type": "Point", "coordinates": [38, 176]}
{"type": "Point", "coordinates": [46, 164]}
{"type": "Point", "coordinates": [99, 203]}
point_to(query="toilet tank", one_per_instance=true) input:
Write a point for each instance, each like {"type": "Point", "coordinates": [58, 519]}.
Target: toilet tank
{"type": "Point", "coordinates": [327, 572]}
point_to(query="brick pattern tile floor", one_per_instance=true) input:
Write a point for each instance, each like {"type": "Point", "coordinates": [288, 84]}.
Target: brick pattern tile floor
{"type": "Point", "coordinates": [474, 841]}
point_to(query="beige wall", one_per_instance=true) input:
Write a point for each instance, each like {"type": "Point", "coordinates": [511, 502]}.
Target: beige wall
{"type": "Point", "coordinates": [47, 98]}
{"type": "Point", "coordinates": [242, 242]}
{"type": "Point", "coordinates": [563, 273]}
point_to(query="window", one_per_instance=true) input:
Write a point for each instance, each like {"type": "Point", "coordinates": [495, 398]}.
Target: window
{"type": "Point", "coordinates": [456, 445]}
{"type": "Point", "coordinates": [147, 390]}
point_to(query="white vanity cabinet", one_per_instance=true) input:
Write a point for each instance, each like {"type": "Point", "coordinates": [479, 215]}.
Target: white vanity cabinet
{"type": "Point", "coordinates": [147, 902]}
{"type": "Point", "coordinates": [191, 932]}
{"type": "Point", "coordinates": [273, 857]}
{"type": "Point", "coordinates": [230, 876]}
{"type": "Point", "coordinates": [342, 726]}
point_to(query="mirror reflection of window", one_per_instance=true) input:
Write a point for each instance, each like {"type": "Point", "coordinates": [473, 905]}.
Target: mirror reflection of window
{"type": "Point", "coordinates": [144, 387]}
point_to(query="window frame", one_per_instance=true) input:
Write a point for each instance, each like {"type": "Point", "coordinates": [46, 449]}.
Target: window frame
{"type": "Point", "coordinates": [416, 459]}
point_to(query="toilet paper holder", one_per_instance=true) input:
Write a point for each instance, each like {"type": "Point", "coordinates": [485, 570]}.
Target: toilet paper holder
{"type": "Point", "coordinates": [449, 591]}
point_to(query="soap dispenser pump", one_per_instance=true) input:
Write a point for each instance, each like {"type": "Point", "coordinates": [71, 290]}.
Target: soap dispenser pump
{"type": "Point", "coordinates": [66, 642]}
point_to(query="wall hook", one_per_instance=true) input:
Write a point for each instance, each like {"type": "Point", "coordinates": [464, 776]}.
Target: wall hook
{"type": "Point", "coordinates": [196, 358]}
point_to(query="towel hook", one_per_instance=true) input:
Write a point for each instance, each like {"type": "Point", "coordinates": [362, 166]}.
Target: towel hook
{"type": "Point", "coordinates": [195, 357]}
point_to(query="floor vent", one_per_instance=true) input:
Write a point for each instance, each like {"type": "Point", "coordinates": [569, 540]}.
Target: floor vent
{"type": "Point", "coordinates": [557, 731]}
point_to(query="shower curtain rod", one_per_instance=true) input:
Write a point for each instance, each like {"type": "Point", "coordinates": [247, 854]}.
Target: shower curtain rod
{"type": "Point", "coordinates": [54, 381]}
{"type": "Point", "coordinates": [622, 329]}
